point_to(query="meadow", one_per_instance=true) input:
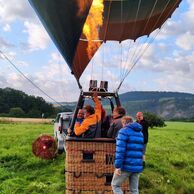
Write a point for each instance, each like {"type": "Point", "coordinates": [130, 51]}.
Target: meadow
{"type": "Point", "coordinates": [169, 161]}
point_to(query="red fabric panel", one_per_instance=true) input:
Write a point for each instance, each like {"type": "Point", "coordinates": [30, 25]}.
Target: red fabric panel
{"type": "Point", "coordinates": [81, 58]}
{"type": "Point", "coordinates": [135, 29]}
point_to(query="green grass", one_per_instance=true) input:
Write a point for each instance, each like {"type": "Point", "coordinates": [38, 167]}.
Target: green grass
{"type": "Point", "coordinates": [169, 161]}
{"type": "Point", "coordinates": [20, 171]}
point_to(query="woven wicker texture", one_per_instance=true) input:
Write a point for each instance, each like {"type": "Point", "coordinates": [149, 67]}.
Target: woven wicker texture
{"type": "Point", "coordinates": [90, 182]}
{"type": "Point", "coordinates": [90, 157]}
{"type": "Point", "coordinates": [91, 192]}
{"type": "Point", "coordinates": [89, 167]}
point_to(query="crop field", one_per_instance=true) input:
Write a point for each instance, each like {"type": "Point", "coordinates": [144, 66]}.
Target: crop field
{"type": "Point", "coordinates": [169, 161]}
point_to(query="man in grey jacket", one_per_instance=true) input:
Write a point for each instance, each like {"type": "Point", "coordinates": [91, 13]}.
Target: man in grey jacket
{"type": "Point", "coordinates": [116, 123]}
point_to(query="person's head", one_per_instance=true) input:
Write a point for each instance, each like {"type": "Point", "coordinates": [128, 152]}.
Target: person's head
{"type": "Point", "coordinates": [88, 110]}
{"type": "Point", "coordinates": [139, 116]}
{"type": "Point", "coordinates": [126, 120]}
{"type": "Point", "coordinates": [118, 112]}
{"type": "Point", "coordinates": [80, 114]}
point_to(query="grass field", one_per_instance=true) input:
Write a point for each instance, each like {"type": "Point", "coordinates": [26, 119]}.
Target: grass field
{"type": "Point", "coordinates": [169, 166]}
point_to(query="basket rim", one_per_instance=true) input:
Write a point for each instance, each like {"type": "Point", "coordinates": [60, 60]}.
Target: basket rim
{"type": "Point", "coordinates": [80, 139]}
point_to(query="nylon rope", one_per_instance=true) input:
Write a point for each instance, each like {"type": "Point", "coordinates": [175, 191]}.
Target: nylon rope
{"type": "Point", "coordinates": [92, 68]}
{"type": "Point", "coordinates": [148, 44]}
{"type": "Point", "coordinates": [121, 48]}
{"type": "Point", "coordinates": [104, 40]}
{"type": "Point", "coordinates": [138, 42]}
{"type": "Point", "coordinates": [102, 68]}
{"type": "Point", "coordinates": [133, 31]}
{"type": "Point", "coordinates": [18, 70]}
{"type": "Point", "coordinates": [108, 18]}
{"type": "Point", "coordinates": [61, 88]}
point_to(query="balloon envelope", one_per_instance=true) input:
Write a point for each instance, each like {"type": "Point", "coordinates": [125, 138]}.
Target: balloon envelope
{"type": "Point", "coordinates": [122, 19]}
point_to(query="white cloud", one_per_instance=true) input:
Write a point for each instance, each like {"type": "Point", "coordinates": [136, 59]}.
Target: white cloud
{"type": "Point", "coordinates": [37, 36]}
{"type": "Point", "coordinates": [7, 28]}
{"type": "Point", "coordinates": [15, 9]}
{"type": "Point", "coordinates": [185, 41]}
{"type": "Point", "coordinates": [5, 44]}
{"type": "Point", "coordinates": [166, 65]}
{"type": "Point", "coordinates": [54, 79]}
{"type": "Point", "coordinates": [182, 24]}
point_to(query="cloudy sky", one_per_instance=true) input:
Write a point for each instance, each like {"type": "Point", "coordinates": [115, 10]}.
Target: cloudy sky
{"type": "Point", "coordinates": [167, 64]}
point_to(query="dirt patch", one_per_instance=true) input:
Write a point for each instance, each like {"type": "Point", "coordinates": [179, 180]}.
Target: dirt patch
{"type": "Point", "coordinates": [25, 120]}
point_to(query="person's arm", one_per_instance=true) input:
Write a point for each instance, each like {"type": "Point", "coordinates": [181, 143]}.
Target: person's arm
{"type": "Point", "coordinates": [98, 106]}
{"type": "Point", "coordinates": [118, 171]}
{"type": "Point", "coordinates": [121, 144]}
{"type": "Point", "coordinates": [81, 128]}
{"type": "Point", "coordinates": [110, 131]}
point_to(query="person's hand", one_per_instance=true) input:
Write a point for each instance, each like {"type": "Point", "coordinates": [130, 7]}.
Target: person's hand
{"type": "Point", "coordinates": [95, 94]}
{"type": "Point", "coordinates": [77, 123]}
{"type": "Point", "coordinates": [118, 171]}
{"type": "Point", "coordinates": [69, 131]}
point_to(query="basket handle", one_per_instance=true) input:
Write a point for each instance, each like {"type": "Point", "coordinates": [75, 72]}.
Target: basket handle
{"type": "Point", "coordinates": [77, 175]}
{"type": "Point", "coordinates": [99, 175]}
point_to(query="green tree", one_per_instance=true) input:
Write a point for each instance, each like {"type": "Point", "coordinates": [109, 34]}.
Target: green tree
{"type": "Point", "coordinates": [16, 112]}
{"type": "Point", "coordinates": [154, 120]}
{"type": "Point", "coordinates": [10, 98]}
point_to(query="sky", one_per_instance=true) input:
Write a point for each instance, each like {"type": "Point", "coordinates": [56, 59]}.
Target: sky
{"type": "Point", "coordinates": [167, 64]}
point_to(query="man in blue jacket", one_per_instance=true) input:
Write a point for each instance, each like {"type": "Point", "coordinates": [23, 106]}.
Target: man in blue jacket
{"type": "Point", "coordinates": [128, 156]}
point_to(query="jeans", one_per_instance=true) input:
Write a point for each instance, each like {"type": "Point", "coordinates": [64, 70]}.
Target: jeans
{"type": "Point", "coordinates": [118, 180]}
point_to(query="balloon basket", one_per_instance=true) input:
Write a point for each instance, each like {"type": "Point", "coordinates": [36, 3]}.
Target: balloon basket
{"type": "Point", "coordinates": [89, 165]}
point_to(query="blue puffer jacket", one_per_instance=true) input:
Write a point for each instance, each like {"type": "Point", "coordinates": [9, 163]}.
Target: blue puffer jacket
{"type": "Point", "coordinates": [129, 148]}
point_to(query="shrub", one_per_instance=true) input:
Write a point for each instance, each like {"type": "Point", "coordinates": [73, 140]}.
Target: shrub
{"type": "Point", "coordinates": [154, 120]}
{"type": "Point", "coordinates": [16, 112]}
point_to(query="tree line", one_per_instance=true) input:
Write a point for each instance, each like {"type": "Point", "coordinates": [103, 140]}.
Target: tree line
{"type": "Point", "coordinates": [15, 103]}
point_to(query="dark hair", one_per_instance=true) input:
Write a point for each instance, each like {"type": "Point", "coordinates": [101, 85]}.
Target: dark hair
{"type": "Point", "coordinates": [121, 111]}
{"type": "Point", "coordinates": [89, 109]}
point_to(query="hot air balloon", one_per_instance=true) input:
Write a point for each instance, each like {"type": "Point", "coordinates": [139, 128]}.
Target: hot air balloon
{"type": "Point", "coordinates": [70, 26]}
{"type": "Point", "coordinates": [122, 19]}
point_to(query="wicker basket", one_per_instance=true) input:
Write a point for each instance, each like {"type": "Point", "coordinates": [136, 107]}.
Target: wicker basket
{"type": "Point", "coordinates": [90, 156]}
{"type": "Point", "coordinates": [89, 165]}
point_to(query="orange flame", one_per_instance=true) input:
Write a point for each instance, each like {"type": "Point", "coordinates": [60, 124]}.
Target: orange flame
{"type": "Point", "coordinates": [92, 25]}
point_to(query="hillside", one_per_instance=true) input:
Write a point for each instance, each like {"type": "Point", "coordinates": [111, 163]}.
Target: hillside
{"type": "Point", "coordinates": [168, 105]}
{"type": "Point", "coordinates": [16, 103]}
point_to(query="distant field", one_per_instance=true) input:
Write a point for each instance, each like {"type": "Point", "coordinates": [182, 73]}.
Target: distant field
{"type": "Point", "coordinates": [25, 120]}
{"type": "Point", "coordinates": [169, 166]}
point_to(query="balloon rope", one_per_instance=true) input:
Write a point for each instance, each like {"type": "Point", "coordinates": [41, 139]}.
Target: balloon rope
{"type": "Point", "coordinates": [136, 48]}
{"type": "Point", "coordinates": [36, 86]}
{"type": "Point", "coordinates": [109, 8]}
{"type": "Point", "coordinates": [102, 68]}
{"type": "Point", "coordinates": [147, 41]}
{"type": "Point", "coordinates": [147, 46]}
{"type": "Point", "coordinates": [92, 68]}
{"type": "Point", "coordinates": [153, 8]}
{"type": "Point", "coordinates": [121, 48]}
{"type": "Point", "coordinates": [135, 62]}
{"type": "Point", "coordinates": [61, 87]}
{"type": "Point", "coordinates": [133, 33]}
{"type": "Point", "coordinates": [163, 12]}
{"type": "Point", "coordinates": [104, 39]}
